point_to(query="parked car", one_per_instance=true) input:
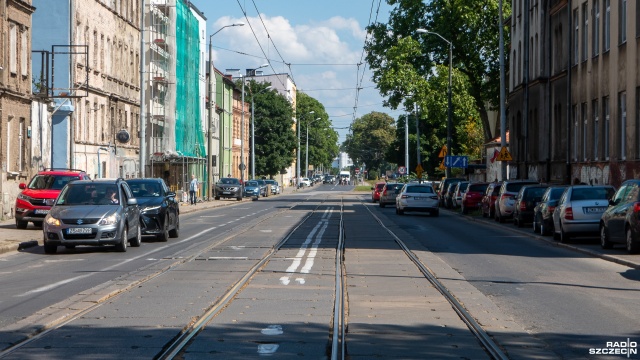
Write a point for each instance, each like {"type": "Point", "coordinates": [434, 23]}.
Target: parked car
{"type": "Point", "coordinates": [620, 223]}
{"type": "Point", "coordinates": [93, 212]}
{"type": "Point", "coordinates": [228, 188]}
{"type": "Point", "coordinates": [389, 193]}
{"type": "Point", "coordinates": [448, 201]}
{"type": "Point", "coordinates": [329, 179]}
{"type": "Point", "coordinates": [526, 200]}
{"type": "Point", "coordinates": [376, 190]}
{"type": "Point", "coordinates": [36, 198]}
{"type": "Point", "coordinates": [253, 189]}
{"type": "Point", "coordinates": [579, 211]}
{"type": "Point", "coordinates": [456, 198]}
{"type": "Point", "coordinates": [489, 199]}
{"type": "Point", "coordinates": [472, 197]}
{"type": "Point", "coordinates": [275, 186]}
{"type": "Point", "coordinates": [506, 201]}
{"type": "Point", "coordinates": [305, 182]}
{"type": "Point", "coordinates": [543, 212]}
{"type": "Point", "coordinates": [159, 209]}
{"type": "Point", "coordinates": [417, 197]}
{"type": "Point", "coordinates": [265, 188]}
{"type": "Point", "coordinates": [444, 187]}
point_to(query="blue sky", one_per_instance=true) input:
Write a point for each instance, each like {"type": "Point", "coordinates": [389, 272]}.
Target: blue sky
{"type": "Point", "coordinates": [322, 40]}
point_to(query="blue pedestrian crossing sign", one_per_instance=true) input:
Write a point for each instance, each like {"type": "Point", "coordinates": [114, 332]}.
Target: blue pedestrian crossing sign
{"type": "Point", "coordinates": [456, 161]}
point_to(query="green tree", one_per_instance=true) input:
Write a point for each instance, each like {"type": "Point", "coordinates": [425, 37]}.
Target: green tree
{"type": "Point", "coordinates": [369, 138]}
{"type": "Point", "coordinates": [323, 140]}
{"type": "Point", "coordinates": [275, 140]}
{"type": "Point", "coordinates": [472, 28]}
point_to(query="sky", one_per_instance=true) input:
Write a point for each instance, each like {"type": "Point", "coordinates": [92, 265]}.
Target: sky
{"type": "Point", "coordinates": [321, 40]}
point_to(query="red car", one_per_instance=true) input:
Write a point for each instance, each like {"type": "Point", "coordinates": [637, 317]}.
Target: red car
{"type": "Point", "coordinates": [36, 199]}
{"type": "Point", "coordinates": [489, 199]}
{"type": "Point", "coordinates": [377, 190]}
{"type": "Point", "coordinates": [472, 198]}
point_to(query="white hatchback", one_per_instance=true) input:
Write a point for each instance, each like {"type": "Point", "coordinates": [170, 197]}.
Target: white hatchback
{"type": "Point", "coordinates": [417, 197]}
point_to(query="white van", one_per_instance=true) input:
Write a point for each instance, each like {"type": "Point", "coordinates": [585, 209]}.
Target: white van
{"type": "Point", "coordinates": [346, 176]}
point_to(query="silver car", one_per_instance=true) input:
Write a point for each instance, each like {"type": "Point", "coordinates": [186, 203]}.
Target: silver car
{"type": "Point", "coordinates": [579, 210]}
{"type": "Point", "coordinates": [93, 212]}
{"type": "Point", "coordinates": [417, 197]}
{"type": "Point", "coordinates": [275, 187]}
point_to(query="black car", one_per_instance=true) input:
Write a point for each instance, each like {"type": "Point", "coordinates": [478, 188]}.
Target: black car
{"type": "Point", "coordinates": [159, 209]}
{"type": "Point", "coordinates": [228, 188]}
{"type": "Point", "coordinates": [528, 197]}
{"type": "Point", "coordinates": [543, 212]}
{"type": "Point", "coordinates": [444, 187]}
{"type": "Point", "coordinates": [620, 223]}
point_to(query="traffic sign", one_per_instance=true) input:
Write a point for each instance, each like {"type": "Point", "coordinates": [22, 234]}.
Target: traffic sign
{"type": "Point", "coordinates": [419, 170]}
{"type": "Point", "coordinates": [504, 155]}
{"type": "Point", "coordinates": [442, 167]}
{"type": "Point", "coordinates": [402, 170]}
{"type": "Point", "coordinates": [456, 161]}
{"type": "Point", "coordinates": [443, 152]}
{"type": "Point", "coordinates": [357, 171]}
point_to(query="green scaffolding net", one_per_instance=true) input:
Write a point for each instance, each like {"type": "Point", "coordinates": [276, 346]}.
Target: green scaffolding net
{"type": "Point", "coordinates": [189, 126]}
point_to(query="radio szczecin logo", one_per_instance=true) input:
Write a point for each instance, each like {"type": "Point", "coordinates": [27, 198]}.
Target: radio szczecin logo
{"type": "Point", "coordinates": [627, 348]}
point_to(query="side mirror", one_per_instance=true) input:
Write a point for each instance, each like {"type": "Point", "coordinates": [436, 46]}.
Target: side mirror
{"type": "Point", "coordinates": [22, 186]}
{"type": "Point", "coordinates": [171, 194]}
{"type": "Point", "coordinates": [611, 202]}
{"type": "Point", "coordinates": [132, 201]}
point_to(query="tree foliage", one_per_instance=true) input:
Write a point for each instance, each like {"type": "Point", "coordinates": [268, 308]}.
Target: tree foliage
{"type": "Point", "coordinates": [323, 140]}
{"type": "Point", "coordinates": [275, 140]}
{"type": "Point", "coordinates": [370, 137]}
{"type": "Point", "coordinates": [400, 58]}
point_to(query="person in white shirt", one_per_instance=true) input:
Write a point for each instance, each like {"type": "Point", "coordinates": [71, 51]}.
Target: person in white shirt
{"type": "Point", "coordinates": [193, 187]}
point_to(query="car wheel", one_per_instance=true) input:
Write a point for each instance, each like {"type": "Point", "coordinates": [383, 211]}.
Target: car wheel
{"type": "Point", "coordinates": [605, 243]}
{"type": "Point", "coordinates": [465, 211]}
{"type": "Point", "coordinates": [633, 247]}
{"type": "Point", "coordinates": [396, 210]}
{"type": "Point", "coordinates": [564, 237]}
{"type": "Point", "coordinates": [164, 235]}
{"type": "Point", "coordinates": [239, 198]}
{"type": "Point", "coordinates": [499, 217]}
{"type": "Point", "coordinates": [136, 241]}
{"type": "Point", "coordinates": [400, 211]}
{"type": "Point", "coordinates": [519, 223]}
{"type": "Point", "coordinates": [435, 213]}
{"type": "Point", "coordinates": [70, 247]}
{"type": "Point", "coordinates": [535, 224]}
{"type": "Point", "coordinates": [381, 204]}
{"type": "Point", "coordinates": [216, 197]}
{"type": "Point", "coordinates": [21, 224]}
{"type": "Point", "coordinates": [122, 246]}
{"type": "Point", "coordinates": [175, 232]}
{"type": "Point", "coordinates": [38, 224]}
{"type": "Point", "coordinates": [50, 249]}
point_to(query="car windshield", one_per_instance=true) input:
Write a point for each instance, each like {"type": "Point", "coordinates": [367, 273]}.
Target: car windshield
{"type": "Point", "coordinates": [478, 187]}
{"type": "Point", "coordinates": [50, 182]}
{"type": "Point", "coordinates": [419, 189]}
{"type": "Point", "coordinates": [229, 181]}
{"type": "Point", "coordinates": [89, 194]}
{"type": "Point", "coordinates": [591, 193]}
{"type": "Point", "coordinates": [252, 183]}
{"type": "Point", "coordinates": [146, 188]}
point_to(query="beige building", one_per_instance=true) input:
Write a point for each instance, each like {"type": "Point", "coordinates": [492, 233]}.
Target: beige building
{"type": "Point", "coordinates": [15, 100]}
{"type": "Point", "coordinates": [574, 90]}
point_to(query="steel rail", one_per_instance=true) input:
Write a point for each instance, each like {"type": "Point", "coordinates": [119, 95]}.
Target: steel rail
{"type": "Point", "coordinates": [338, 343]}
{"type": "Point", "coordinates": [492, 348]}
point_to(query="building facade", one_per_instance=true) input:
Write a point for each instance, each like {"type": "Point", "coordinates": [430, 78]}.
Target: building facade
{"type": "Point", "coordinates": [15, 101]}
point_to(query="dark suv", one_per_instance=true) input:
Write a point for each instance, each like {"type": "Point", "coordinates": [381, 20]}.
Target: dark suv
{"type": "Point", "coordinates": [228, 188]}
{"type": "Point", "coordinates": [444, 186]}
{"type": "Point", "coordinates": [36, 199]}
{"type": "Point", "coordinates": [620, 223]}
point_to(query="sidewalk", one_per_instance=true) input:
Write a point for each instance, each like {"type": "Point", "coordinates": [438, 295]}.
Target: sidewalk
{"type": "Point", "coordinates": [14, 239]}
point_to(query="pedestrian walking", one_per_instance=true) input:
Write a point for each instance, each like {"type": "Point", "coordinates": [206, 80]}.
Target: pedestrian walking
{"type": "Point", "coordinates": [193, 187]}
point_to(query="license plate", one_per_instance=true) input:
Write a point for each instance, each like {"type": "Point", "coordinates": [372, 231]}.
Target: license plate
{"type": "Point", "coordinates": [79, 231]}
{"type": "Point", "coordinates": [226, 192]}
{"type": "Point", "coordinates": [418, 198]}
{"type": "Point", "coordinates": [594, 209]}
{"type": "Point", "coordinates": [42, 211]}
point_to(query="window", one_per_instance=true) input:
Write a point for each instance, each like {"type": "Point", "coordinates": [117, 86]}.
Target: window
{"type": "Point", "coordinates": [13, 49]}
{"type": "Point", "coordinates": [605, 135]}
{"type": "Point", "coordinates": [622, 100]}
{"type": "Point", "coordinates": [596, 28]}
{"type": "Point", "coordinates": [574, 136]}
{"type": "Point", "coordinates": [606, 25]}
{"type": "Point", "coordinates": [576, 37]}
{"type": "Point", "coordinates": [622, 21]}
{"type": "Point", "coordinates": [584, 131]}
{"type": "Point", "coordinates": [596, 124]}
{"type": "Point", "coordinates": [21, 145]}
{"type": "Point", "coordinates": [585, 32]}
{"type": "Point", "coordinates": [24, 58]}
{"type": "Point", "coordinates": [10, 123]}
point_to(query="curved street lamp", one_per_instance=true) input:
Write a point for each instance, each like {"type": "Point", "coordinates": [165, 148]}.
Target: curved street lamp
{"type": "Point", "coordinates": [243, 166]}
{"type": "Point", "coordinates": [449, 109]}
{"type": "Point", "coordinates": [212, 108]}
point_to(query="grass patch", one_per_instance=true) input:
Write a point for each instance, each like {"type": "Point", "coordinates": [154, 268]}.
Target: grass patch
{"type": "Point", "coordinates": [363, 188]}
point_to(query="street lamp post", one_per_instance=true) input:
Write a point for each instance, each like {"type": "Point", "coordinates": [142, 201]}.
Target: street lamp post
{"type": "Point", "coordinates": [298, 156]}
{"type": "Point", "coordinates": [243, 166]}
{"type": "Point", "coordinates": [253, 127]}
{"type": "Point", "coordinates": [306, 172]}
{"type": "Point", "coordinates": [212, 108]}
{"type": "Point", "coordinates": [450, 106]}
